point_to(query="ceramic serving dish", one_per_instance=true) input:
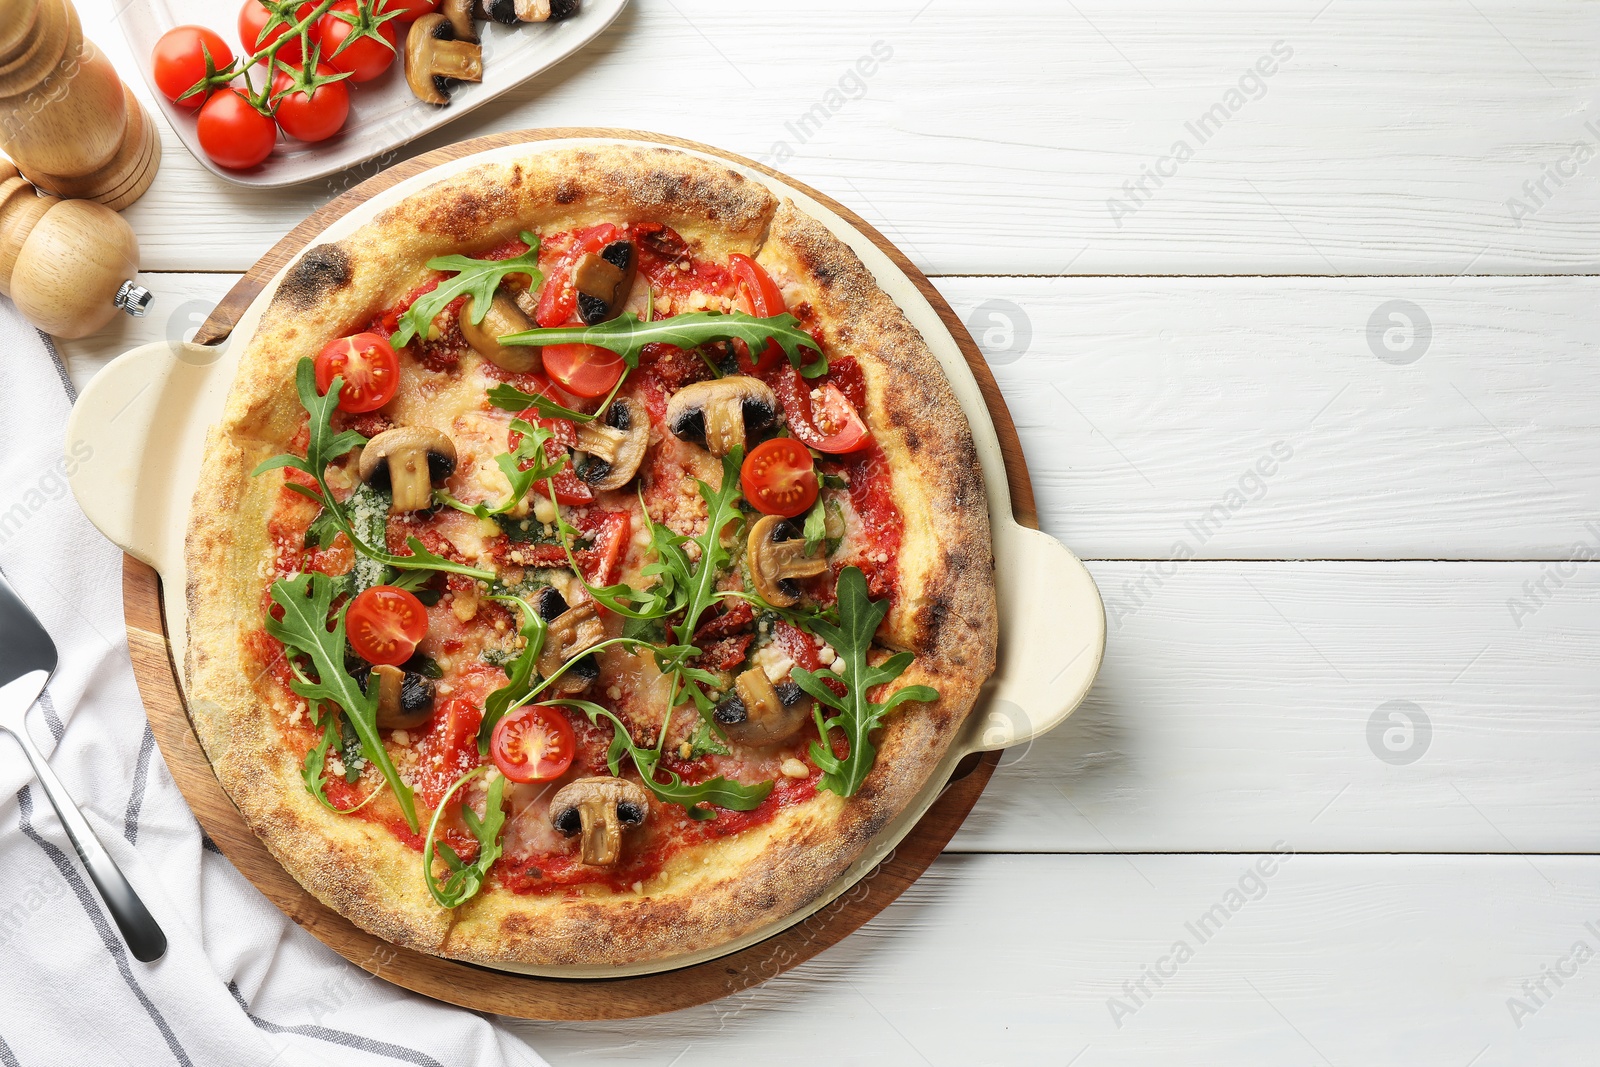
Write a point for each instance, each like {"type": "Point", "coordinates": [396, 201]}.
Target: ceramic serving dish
{"type": "Point", "coordinates": [144, 418]}
{"type": "Point", "coordinates": [383, 112]}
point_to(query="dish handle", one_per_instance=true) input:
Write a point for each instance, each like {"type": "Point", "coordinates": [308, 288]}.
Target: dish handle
{"type": "Point", "coordinates": [124, 425]}
{"type": "Point", "coordinates": [1052, 648]}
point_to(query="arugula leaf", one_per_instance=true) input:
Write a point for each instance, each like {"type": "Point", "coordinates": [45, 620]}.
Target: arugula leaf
{"type": "Point", "coordinates": [306, 602]}
{"type": "Point", "coordinates": [706, 743]}
{"type": "Point", "coordinates": [855, 714]}
{"type": "Point", "coordinates": [529, 450]}
{"type": "Point", "coordinates": [323, 448]}
{"type": "Point", "coordinates": [465, 879]}
{"type": "Point", "coordinates": [719, 791]}
{"type": "Point", "coordinates": [627, 334]}
{"type": "Point", "coordinates": [478, 277]}
{"type": "Point", "coordinates": [316, 761]}
{"type": "Point", "coordinates": [816, 528]}
{"type": "Point", "coordinates": [510, 398]}
{"type": "Point", "coordinates": [519, 671]}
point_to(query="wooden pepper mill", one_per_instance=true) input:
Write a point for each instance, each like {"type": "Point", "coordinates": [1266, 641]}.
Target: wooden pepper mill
{"type": "Point", "coordinates": [68, 264]}
{"type": "Point", "coordinates": [66, 119]}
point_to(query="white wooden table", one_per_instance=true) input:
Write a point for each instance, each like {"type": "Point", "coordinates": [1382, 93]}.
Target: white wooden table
{"type": "Point", "coordinates": [1319, 401]}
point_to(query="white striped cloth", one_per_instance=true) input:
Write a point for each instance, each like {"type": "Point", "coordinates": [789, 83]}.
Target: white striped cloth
{"type": "Point", "coordinates": [240, 985]}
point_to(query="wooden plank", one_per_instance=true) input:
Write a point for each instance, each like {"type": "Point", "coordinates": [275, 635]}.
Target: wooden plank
{"type": "Point", "coordinates": [1361, 153]}
{"type": "Point", "coordinates": [1146, 404]}
{"type": "Point", "coordinates": [1237, 706]}
{"type": "Point", "coordinates": [1016, 959]}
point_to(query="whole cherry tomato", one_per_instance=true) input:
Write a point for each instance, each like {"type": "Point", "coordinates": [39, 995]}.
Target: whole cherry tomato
{"type": "Point", "coordinates": [233, 133]}
{"type": "Point", "coordinates": [313, 116]}
{"type": "Point", "coordinates": [179, 62]}
{"type": "Point", "coordinates": [256, 34]}
{"type": "Point", "coordinates": [370, 369]}
{"type": "Point", "coordinates": [357, 41]}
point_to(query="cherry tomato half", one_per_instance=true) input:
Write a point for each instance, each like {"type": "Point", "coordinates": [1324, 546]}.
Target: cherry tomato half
{"type": "Point", "coordinates": [233, 133]}
{"type": "Point", "coordinates": [352, 41]}
{"type": "Point", "coordinates": [779, 478]}
{"type": "Point", "coordinates": [583, 370]}
{"type": "Point", "coordinates": [763, 299]}
{"type": "Point", "coordinates": [384, 624]}
{"type": "Point", "coordinates": [534, 743]}
{"type": "Point", "coordinates": [369, 367]}
{"type": "Point", "coordinates": [254, 34]}
{"type": "Point", "coordinates": [179, 61]}
{"type": "Point", "coordinates": [315, 117]}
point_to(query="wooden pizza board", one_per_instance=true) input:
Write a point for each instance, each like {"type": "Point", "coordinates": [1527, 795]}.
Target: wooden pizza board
{"type": "Point", "coordinates": [480, 988]}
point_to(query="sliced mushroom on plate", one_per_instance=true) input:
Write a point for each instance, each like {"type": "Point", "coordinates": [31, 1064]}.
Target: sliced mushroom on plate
{"type": "Point", "coordinates": [613, 450]}
{"type": "Point", "coordinates": [510, 12]}
{"type": "Point", "coordinates": [603, 280]}
{"type": "Point", "coordinates": [459, 14]}
{"type": "Point", "coordinates": [777, 556]}
{"type": "Point", "coordinates": [435, 58]}
{"type": "Point", "coordinates": [570, 633]}
{"type": "Point", "coordinates": [410, 461]}
{"type": "Point", "coordinates": [760, 713]}
{"type": "Point", "coordinates": [503, 317]}
{"type": "Point", "coordinates": [721, 414]}
{"type": "Point", "coordinates": [599, 808]}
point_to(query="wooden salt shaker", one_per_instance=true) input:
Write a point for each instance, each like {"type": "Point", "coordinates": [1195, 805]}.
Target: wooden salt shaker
{"type": "Point", "coordinates": [66, 119]}
{"type": "Point", "coordinates": [68, 264]}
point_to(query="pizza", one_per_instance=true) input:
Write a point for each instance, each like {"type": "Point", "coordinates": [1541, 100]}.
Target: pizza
{"type": "Point", "coordinates": [590, 561]}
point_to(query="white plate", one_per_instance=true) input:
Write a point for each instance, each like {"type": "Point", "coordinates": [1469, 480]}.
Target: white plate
{"type": "Point", "coordinates": [145, 417]}
{"type": "Point", "coordinates": [383, 112]}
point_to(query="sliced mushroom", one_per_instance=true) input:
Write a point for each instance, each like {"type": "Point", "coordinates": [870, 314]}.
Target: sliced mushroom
{"type": "Point", "coordinates": [509, 12]}
{"type": "Point", "coordinates": [599, 808]}
{"type": "Point", "coordinates": [603, 280]}
{"type": "Point", "coordinates": [410, 460]}
{"type": "Point", "coordinates": [459, 14]}
{"type": "Point", "coordinates": [502, 318]}
{"type": "Point", "coordinates": [759, 713]}
{"type": "Point", "coordinates": [777, 557]}
{"type": "Point", "coordinates": [613, 451]}
{"type": "Point", "coordinates": [405, 698]}
{"type": "Point", "coordinates": [721, 413]}
{"type": "Point", "coordinates": [570, 633]}
{"type": "Point", "coordinates": [435, 58]}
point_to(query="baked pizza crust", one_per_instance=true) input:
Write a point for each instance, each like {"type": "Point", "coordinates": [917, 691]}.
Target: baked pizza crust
{"type": "Point", "coordinates": [715, 892]}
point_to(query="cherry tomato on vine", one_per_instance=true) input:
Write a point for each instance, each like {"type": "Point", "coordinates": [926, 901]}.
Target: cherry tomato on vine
{"type": "Point", "coordinates": [534, 743]}
{"type": "Point", "coordinates": [779, 478]}
{"type": "Point", "coordinates": [385, 624]}
{"type": "Point", "coordinates": [369, 367]}
{"type": "Point", "coordinates": [313, 116]}
{"type": "Point", "coordinates": [255, 34]}
{"type": "Point", "coordinates": [583, 370]}
{"type": "Point", "coordinates": [408, 10]}
{"type": "Point", "coordinates": [359, 43]}
{"type": "Point", "coordinates": [760, 297]}
{"type": "Point", "coordinates": [179, 61]}
{"type": "Point", "coordinates": [233, 133]}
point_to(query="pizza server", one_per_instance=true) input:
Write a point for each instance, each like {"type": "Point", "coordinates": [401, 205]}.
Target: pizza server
{"type": "Point", "coordinates": [27, 659]}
